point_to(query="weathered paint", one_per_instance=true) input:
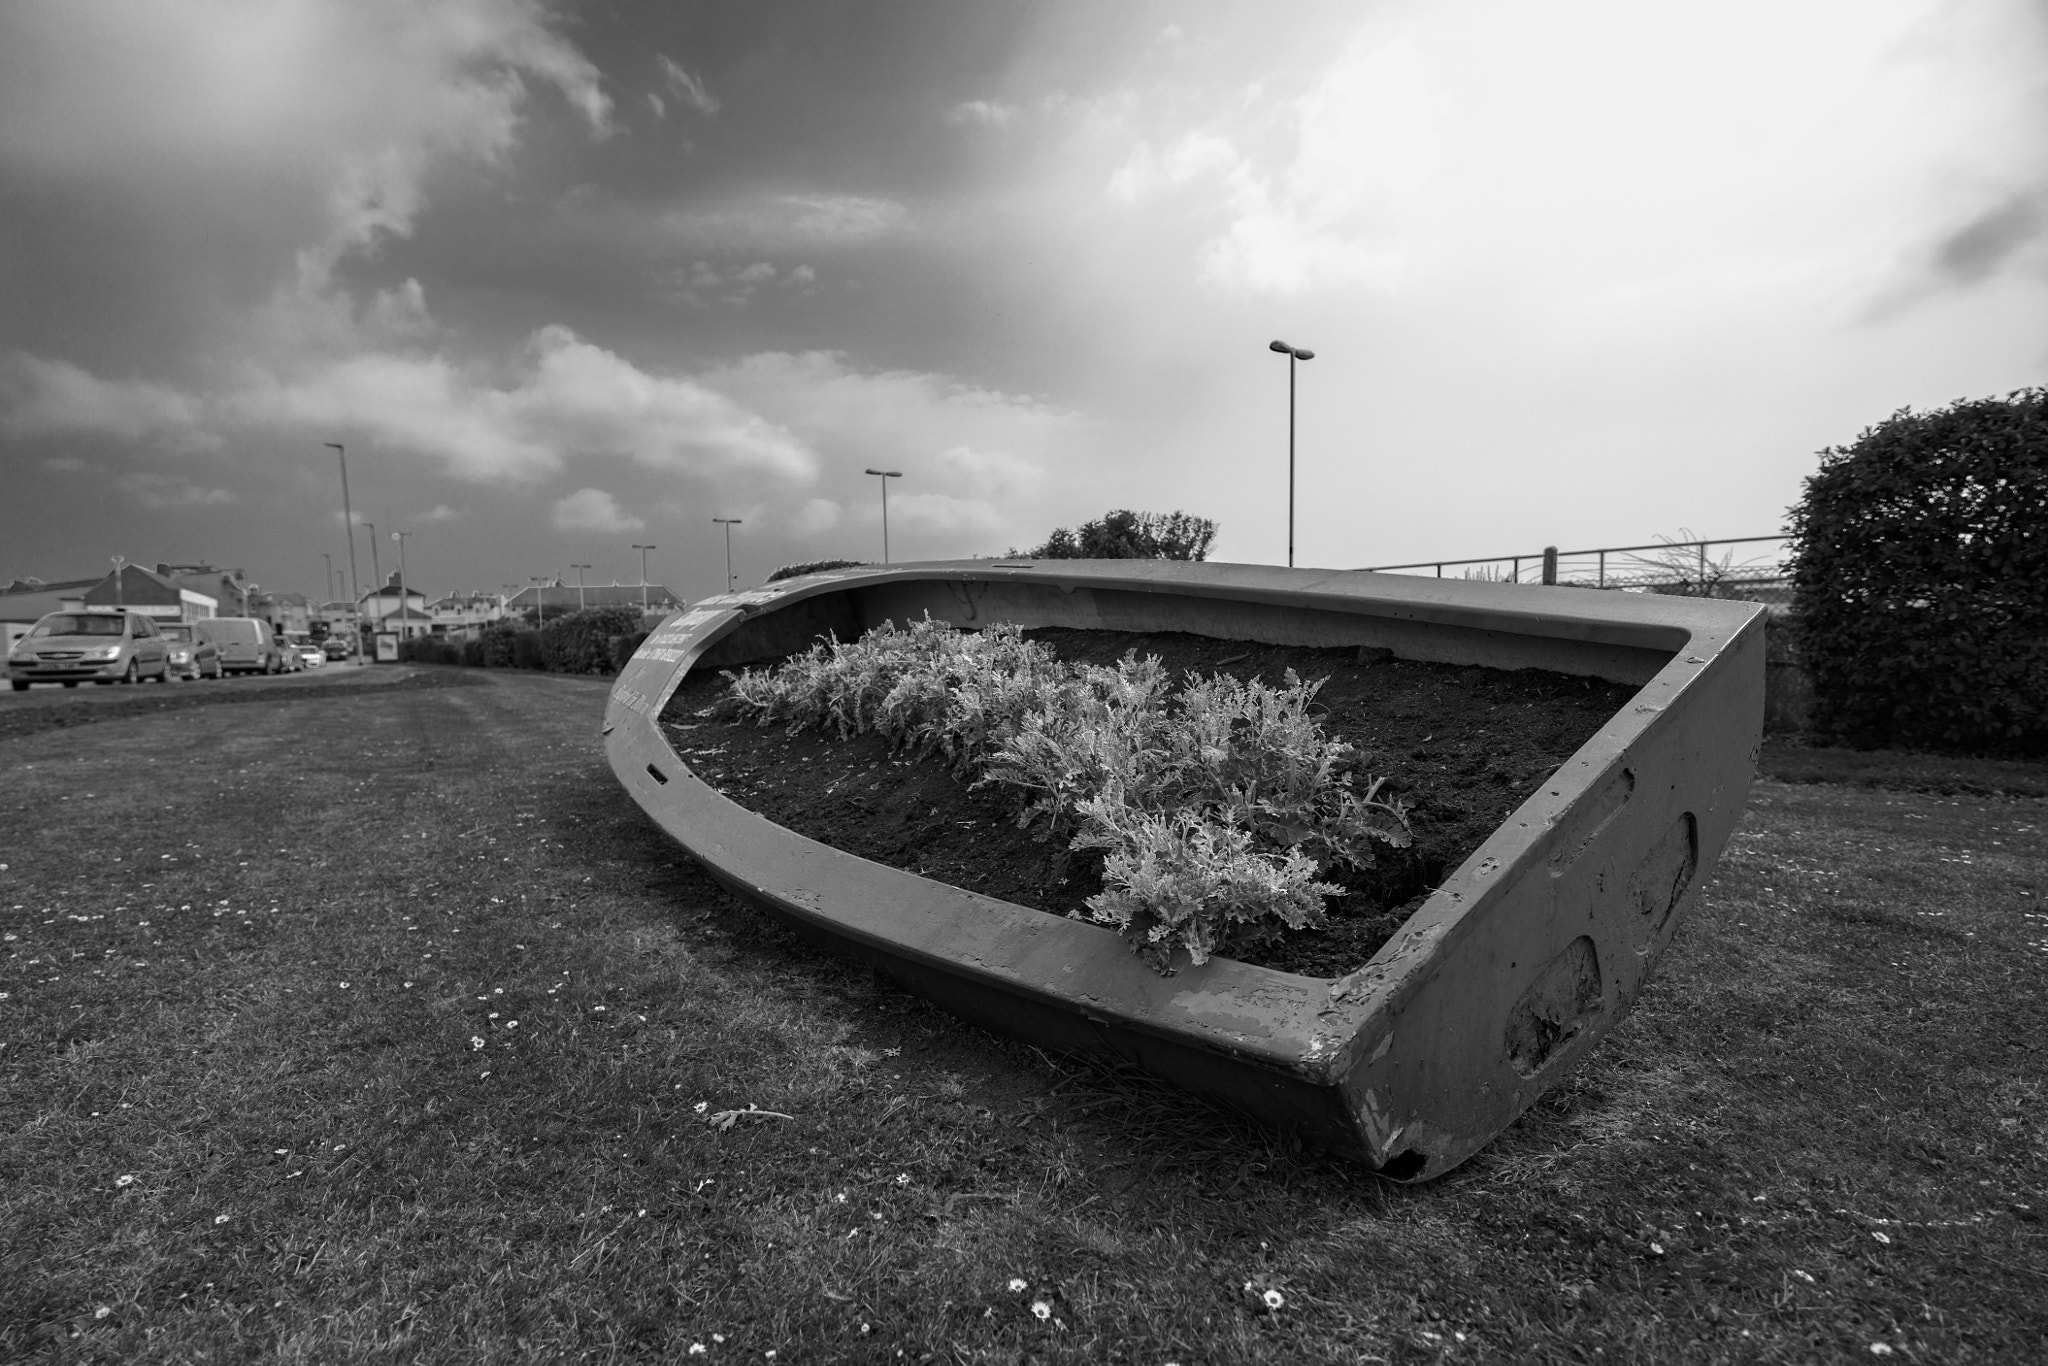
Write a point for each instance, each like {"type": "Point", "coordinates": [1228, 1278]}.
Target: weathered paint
{"type": "Point", "coordinates": [1512, 970]}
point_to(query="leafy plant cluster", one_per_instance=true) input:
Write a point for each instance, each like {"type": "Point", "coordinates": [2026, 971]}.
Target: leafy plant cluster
{"type": "Point", "coordinates": [1217, 807]}
{"type": "Point", "coordinates": [1920, 580]}
{"type": "Point", "coordinates": [1127, 535]}
{"type": "Point", "coordinates": [790, 571]}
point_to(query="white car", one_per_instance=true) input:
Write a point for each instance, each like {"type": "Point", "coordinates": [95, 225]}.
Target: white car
{"type": "Point", "coordinates": [313, 655]}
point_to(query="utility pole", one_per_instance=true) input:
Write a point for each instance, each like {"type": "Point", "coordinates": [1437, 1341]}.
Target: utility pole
{"type": "Point", "coordinates": [540, 601]}
{"type": "Point", "coordinates": [886, 476]}
{"type": "Point", "coordinates": [118, 560]}
{"type": "Point", "coordinates": [579, 568]}
{"type": "Point", "coordinates": [643, 549]}
{"type": "Point", "coordinates": [728, 523]}
{"type": "Point", "coordinates": [348, 524]}
{"type": "Point", "coordinates": [376, 570]}
{"type": "Point", "coordinates": [404, 585]}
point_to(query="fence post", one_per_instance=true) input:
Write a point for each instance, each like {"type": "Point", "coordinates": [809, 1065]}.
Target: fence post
{"type": "Point", "coordinates": [1550, 564]}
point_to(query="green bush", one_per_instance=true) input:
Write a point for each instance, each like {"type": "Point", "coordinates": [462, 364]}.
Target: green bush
{"type": "Point", "coordinates": [1920, 580]}
{"type": "Point", "coordinates": [623, 647]}
{"type": "Point", "coordinates": [1215, 809]}
{"type": "Point", "coordinates": [582, 642]}
{"type": "Point", "coordinates": [1127, 535]}
{"type": "Point", "coordinates": [790, 571]}
{"type": "Point", "coordinates": [428, 650]}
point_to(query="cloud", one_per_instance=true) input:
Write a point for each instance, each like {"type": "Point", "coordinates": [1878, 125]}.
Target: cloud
{"type": "Point", "coordinates": [39, 396]}
{"type": "Point", "coordinates": [987, 113]}
{"type": "Point", "coordinates": [309, 125]}
{"type": "Point", "coordinates": [1978, 248]}
{"type": "Point", "coordinates": [568, 399]}
{"type": "Point", "coordinates": [816, 517]}
{"type": "Point", "coordinates": [785, 222]}
{"type": "Point", "coordinates": [593, 510]}
{"type": "Point", "coordinates": [688, 88]}
{"type": "Point", "coordinates": [758, 273]}
{"type": "Point", "coordinates": [70, 464]}
{"type": "Point", "coordinates": [165, 492]}
{"type": "Point", "coordinates": [443, 513]}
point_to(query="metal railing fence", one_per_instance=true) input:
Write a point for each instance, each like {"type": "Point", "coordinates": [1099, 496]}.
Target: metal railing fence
{"type": "Point", "coordinates": [1750, 568]}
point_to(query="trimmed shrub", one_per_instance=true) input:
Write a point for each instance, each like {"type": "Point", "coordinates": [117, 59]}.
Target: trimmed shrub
{"type": "Point", "coordinates": [428, 650]}
{"type": "Point", "coordinates": [499, 646]}
{"type": "Point", "coordinates": [624, 646]}
{"type": "Point", "coordinates": [582, 642]}
{"type": "Point", "coordinates": [790, 571]}
{"type": "Point", "coordinates": [1920, 581]}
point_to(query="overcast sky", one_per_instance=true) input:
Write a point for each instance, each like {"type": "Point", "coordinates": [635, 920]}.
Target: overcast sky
{"type": "Point", "coordinates": [567, 277]}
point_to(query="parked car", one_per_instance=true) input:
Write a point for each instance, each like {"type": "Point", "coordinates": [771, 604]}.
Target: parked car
{"type": "Point", "coordinates": [312, 656]}
{"type": "Point", "coordinates": [71, 647]}
{"type": "Point", "coordinates": [336, 648]}
{"type": "Point", "coordinates": [191, 657]}
{"type": "Point", "coordinates": [246, 645]}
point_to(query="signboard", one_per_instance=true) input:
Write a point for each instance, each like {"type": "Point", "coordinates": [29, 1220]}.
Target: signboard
{"type": "Point", "coordinates": [387, 647]}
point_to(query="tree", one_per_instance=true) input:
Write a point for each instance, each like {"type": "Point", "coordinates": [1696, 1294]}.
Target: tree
{"type": "Point", "coordinates": [1920, 580]}
{"type": "Point", "coordinates": [1127, 535]}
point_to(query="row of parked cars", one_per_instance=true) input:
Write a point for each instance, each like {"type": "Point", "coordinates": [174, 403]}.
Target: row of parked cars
{"type": "Point", "coordinates": [125, 647]}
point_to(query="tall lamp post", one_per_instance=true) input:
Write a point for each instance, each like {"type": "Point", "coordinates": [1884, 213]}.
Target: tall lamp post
{"type": "Point", "coordinates": [643, 549]}
{"type": "Point", "coordinates": [377, 573]}
{"type": "Point", "coordinates": [728, 523]}
{"type": "Point", "coordinates": [348, 524]}
{"type": "Point", "coordinates": [579, 568]}
{"type": "Point", "coordinates": [1293, 354]}
{"type": "Point", "coordinates": [404, 584]}
{"type": "Point", "coordinates": [886, 476]}
{"type": "Point", "coordinates": [120, 560]}
{"type": "Point", "coordinates": [540, 601]}
{"type": "Point", "coordinates": [327, 584]}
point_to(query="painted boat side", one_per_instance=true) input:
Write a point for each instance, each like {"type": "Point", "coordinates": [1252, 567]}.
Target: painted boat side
{"type": "Point", "coordinates": [1515, 967]}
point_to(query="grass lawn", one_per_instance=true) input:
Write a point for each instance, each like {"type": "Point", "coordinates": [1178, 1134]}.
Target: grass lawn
{"type": "Point", "coordinates": [380, 1025]}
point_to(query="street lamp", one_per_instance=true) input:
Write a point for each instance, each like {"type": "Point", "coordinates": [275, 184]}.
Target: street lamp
{"type": "Point", "coordinates": [404, 587]}
{"type": "Point", "coordinates": [579, 568]}
{"type": "Point", "coordinates": [728, 523]}
{"type": "Point", "coordinates": [643, 549]}
{"type": "Point", "coordinates": [540, 602]}
{"type": "Point", "coordinates": [348, 523]}
{"type": "Point", "coordinates": [886, 476]}
{"type": "Point", "coordinates": [1293, 354]}
{"type": "Point", "coordinates": [120, 560]}
{"type": "Point", "coordinates": [377, 572]}
{"type": "Point", "coordinates": [327, 584]}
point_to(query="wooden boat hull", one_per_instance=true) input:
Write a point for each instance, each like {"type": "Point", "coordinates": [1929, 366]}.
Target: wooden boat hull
{"type": "Point", "coordinates": [1494, 989]}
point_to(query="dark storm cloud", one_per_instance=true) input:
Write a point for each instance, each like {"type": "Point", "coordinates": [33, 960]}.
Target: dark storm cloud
{"type": "Point", "coordinates": [1984, 244]}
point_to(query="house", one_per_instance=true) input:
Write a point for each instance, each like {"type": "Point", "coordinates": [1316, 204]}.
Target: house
{"type": "Point", "coordinates": [406, 622]}
{"type": "Point", "coordinates": [397, 602]}
{"type": "Point", "coordinates": [25, 602]}
{"type": "Point", "coordinates": [150, 594]}
{"type": "Point", "coordinates": [339, 617]}
{"type": "Point", "coordinates": [227, 587]}
{"type": "Point", "coordinates": [463, 613]}
{"type": "Point", "coordinates": [292, 612]}
{"type": "Point", "coordinates": [559, 599]}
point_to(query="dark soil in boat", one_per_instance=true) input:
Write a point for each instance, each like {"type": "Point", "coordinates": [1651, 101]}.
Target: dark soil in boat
{"type": "Point", "coordinates": [1463, 745]}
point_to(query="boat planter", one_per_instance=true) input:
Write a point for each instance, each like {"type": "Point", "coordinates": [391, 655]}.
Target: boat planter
{"type": "Point", "coordinates": [1495, 988]}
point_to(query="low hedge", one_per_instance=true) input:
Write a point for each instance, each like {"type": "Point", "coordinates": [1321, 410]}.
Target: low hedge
{"type": "Point", "coordinates": [598, 640]}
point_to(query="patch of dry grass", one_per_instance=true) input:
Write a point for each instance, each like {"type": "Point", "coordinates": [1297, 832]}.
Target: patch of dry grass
{"type": "Point", "coordinates": [1821, 1129]}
